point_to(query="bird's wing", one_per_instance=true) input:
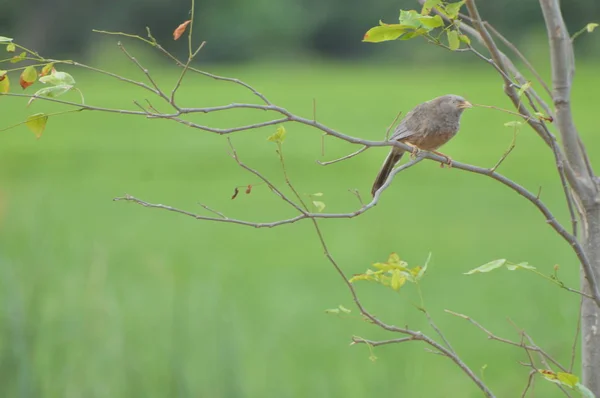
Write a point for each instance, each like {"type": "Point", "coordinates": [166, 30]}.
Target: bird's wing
{"type": "Point", "coordinates": [406, 128]}
{"type": "Point", "coordinates": [401, 132]}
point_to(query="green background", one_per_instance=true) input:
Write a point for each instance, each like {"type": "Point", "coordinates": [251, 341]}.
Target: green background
{"type": "Point", "coordinates": [110, 299]}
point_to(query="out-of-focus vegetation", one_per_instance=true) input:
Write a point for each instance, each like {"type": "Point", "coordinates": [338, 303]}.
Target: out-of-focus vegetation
{"type": "Point", "coordinates": [105, 299]}
{"type": "Point", "coordinates": [242, 30]}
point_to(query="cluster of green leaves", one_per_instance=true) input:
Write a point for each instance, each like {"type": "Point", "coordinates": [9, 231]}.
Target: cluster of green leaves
{"type": "Point", "coordinates": [567, 380]}
{"type": "Point", "coordinates": [394, 273]}
{"type": "Point", "coordinates": [414, 24]}
{"type": "Point", "coordinates": [58, 83]}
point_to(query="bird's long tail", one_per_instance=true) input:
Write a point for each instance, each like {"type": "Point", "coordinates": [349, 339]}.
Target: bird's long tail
{"type": "Point", "coordinates": [391, 160]}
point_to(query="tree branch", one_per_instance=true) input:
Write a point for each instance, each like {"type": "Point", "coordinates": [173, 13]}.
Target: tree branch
{"type": "Point", "coordinates": [563, 70]}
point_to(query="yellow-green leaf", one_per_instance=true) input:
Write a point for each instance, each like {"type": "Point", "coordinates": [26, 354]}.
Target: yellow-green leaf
{"type": "Point", "coordinates": [492, 265]}
{"type": "Point", "coordinates": [384, 32]}
{"type": "Point", "coordinates": [47, 69]}
{"type": "Point", "coordinates": [320, 206]}
{"type": "Point", "coordinates": [278, 136]}
{"type": "Point", "coordinates": [18, 58]}
{"type": "Point", "coordinates": [590, 27]}
{"type": "Point", "coordinates": [28, 77]}
{"type": "Point", "coordinates": [4, 82]}
{"type": "Point", "coordinates": [428, 6]}
{"type": "Point", "coordinates": [465, 39]}
{"type": "Point", "coordinates": [10, 47]}
{"type": "Point", "coordinates": [409, 18]}
{"type": "Point", "coordinates": [514, 123]}
{"type": "Point", "coordinates": [422, 271]}
{"type": "Point", "coordinates": [398, 280]}
{"type": "Point", "coordinates": [567, 379]}
{"type": "Point", "coordinates": [431, 22]}
{"type": "Point", "coordinates": [523, 88]}
{"type": "Point", "coordinates": [37, 123]}
{"type": "Point", "coordinates": [453, 41]}
{"type": "Point", "coordinates": [344, 309]}
{"type": "Point", "coordinates": [453, 9]}
{"type": "Point", "coordinates": [525, 265]}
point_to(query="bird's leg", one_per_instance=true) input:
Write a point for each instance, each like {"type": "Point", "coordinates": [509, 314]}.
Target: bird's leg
{"type": "Point", "coordinates": [448, 159]}
{"type": "Point", "coordinates": [415, 150]}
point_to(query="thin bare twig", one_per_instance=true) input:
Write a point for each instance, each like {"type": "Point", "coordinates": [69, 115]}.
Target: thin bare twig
{"type": "Point", "coordinates": [530, 382]}
{"type": "Point", "coordinates": [218, 213]}
{"type": "Point", "coordinates": [389, 129]}
{"type": "Point", "coordinates": [576, 338]}
{"type": "Point", "coordinates": [492, 336]}
{"type": "Point", "coordinates": [184, 70]}
{"type": "Point", "coordinates": [353, 154]}
{"type": "Point", "coordinates": [145, 71]}
{"type": "Point", "coordinates": [519, 54]}
{"type": "Point", "coordinates": [360, 340]}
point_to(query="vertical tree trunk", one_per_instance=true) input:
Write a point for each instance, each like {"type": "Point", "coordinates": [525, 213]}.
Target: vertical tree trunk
{"type": "Point", "coordinates": [582, 180]}
{"type": "Point", "coordinates": [590, 314]}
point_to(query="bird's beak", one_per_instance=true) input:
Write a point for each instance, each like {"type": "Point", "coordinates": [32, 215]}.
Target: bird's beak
{"type": "Point", "coordinates": [465, 105]}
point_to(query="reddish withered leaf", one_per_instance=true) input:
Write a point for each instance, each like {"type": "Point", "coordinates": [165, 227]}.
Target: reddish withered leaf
{"type": "Point", "coordinates": [180, 29]}
{"type": "Point", "coordinates": [249, 189]}
{"type": "Point", "coordinates": [28, 77]}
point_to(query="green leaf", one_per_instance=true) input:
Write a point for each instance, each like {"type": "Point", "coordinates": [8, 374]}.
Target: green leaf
{"type": "Point", "coordinates": [58, 79]}
{"type": "Point", "coordinates": [421, 272]}
{"type": "Point", "coordinates": [410, 18]}
{"type": "Point", "coordinates": [584, 391]}
{"type": "Point", "coordinates": [567, 379]}
{"type": "Point", "coordinates": [319, 205]}
{"type": "Point", "coordinates": [18, 58]}
{"type": "Point", "coordinates": [412, 34]}
{"type": "Point", "coordinates": [428, 6]}
{"type": "Point", "coordinates": [317, 194]}
{"type": "Point", "coordinates": [512, 267]}
{"type": "Point", "coordinates": [523, 88]}
{"type": "Point", "coordinates": [514, 123]}
{"type": "Point", "coordinates": [453, 9]}
{"type": "Point", "coordinates": [37, 123]}
{"type": "Point", "coordinates": [11, 48]}
{"type": "Point", "coordinates": [563, 378]}
{"type": "Point", "coordinates": [398, 280]}
{"type": "Point", "coordinates": [465, 39]}
{"type": "Point", "coordinates": [453, 41]}
{"type": "Point", "coordinates": [590, 27]}
{"type": "Point", "coordinates": [344, 309]}
{"type": "Point", "coordinates": [51, 92]}
{"type": "Point", "coordinates": [28, 76]}
{"type": "Point", "coordinates": [5, 40]}
{"type": "Point", "coordinates": [384, 32]}
{"type": "Point", "coordinates": [4, 82]}
{"type": "Point", "coordinates": [47, 69]}
{"type": "Point", "coordinates": [430, 22]}
{"type": "Point", "coordinates": [332, 311]}
{"type": "Point", "coordinates": [278, 136]}
{"type": "Point", "coordinates": [492, 265]}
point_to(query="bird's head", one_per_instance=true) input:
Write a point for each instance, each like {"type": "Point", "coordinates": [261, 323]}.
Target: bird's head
{"type": "Point", "coordinates": [453, 103]}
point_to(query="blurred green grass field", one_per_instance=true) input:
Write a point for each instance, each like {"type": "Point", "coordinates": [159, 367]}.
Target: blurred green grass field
{"type": "Point", "coordinates": [110, 299]}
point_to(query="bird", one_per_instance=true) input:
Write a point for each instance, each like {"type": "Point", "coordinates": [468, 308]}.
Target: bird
{"type": "Point", "coordinates": [426, 127]}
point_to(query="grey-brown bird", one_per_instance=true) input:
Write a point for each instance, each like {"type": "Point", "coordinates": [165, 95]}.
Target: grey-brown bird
{"type": "Point", "coordinates": [427, 127]}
